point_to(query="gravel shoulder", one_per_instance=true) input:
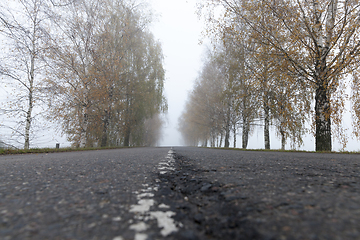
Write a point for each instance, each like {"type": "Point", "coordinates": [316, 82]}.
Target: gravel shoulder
{"type": "Point", "coordinates": [264, 195]}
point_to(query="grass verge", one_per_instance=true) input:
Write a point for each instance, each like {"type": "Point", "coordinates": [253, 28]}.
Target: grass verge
{"type": "Point", "coordinates": [279, 150]}
{"type": "Point", "coordinates": [50, 150]}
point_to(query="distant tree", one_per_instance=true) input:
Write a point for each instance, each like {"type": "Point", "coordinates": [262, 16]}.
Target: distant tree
{"type": "Point", "coordinates": [149, 133]}
{"type": "Point", "coordinates": [206, 115]}
{"type": "Point", "coordinates": [144, 85]}
{"type": "Point", "coordinates": [223, 61]}
{"type": "Point", "coordinates": [238, 92]}
{"type": "Point", "coordinates": [245, 100]}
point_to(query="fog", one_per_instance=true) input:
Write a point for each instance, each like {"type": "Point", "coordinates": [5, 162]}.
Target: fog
{"type": "Point", "coordinates": [179, 30]}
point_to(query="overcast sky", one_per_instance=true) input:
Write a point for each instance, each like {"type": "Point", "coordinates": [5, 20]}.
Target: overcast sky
{"type": "Point", "coordinates": [179, 30]}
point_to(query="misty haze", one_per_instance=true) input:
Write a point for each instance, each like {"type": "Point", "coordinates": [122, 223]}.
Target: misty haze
{"type": "Point", "coordinates": [161, 73]}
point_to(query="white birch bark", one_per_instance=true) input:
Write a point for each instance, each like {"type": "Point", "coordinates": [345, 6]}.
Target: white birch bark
{"type": "Point", "coordinates": [31, 84]}
{"type": "Point", "coordinates": [322, 98]}
{"type": "Point", "coordinates": [83, 140]}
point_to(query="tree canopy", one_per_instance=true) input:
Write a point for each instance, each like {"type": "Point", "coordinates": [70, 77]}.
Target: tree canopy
{"type": "Point", "coordinates": [96, 67]}
{"type": "Point", "coordinates": [302, 55]}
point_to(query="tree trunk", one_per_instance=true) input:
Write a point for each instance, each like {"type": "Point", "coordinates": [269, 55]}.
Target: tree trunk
{"type": "Point", "coordinates": [227, 137]}
{"type": "Point", "coordinates": [29, 111]}
{"type": "Point", "coordinates": [221, 138]}
{"type": "Point", "coordinates": [266, 93]}
{"type": "Point", "coordinates": [205, 143]}
{"type": "Point", "coordinates": [267, 126]}
{"type": "Point", "coordinates": [83, 131]}
{"type": "Point", "coordinates": [322, 97]}
{"type": "Point", "coordinates": [31, 88]}
{"type": "Point", "coordinates": [227, 129]}
{"type": "Point", "coordinates": [245, 134]}
{"type": "Point", "coordinates": [28, 121]}
{"type": "Point", "coordinates": [127, 136]}
{"type": "Point", "coordinates": [104, 138]}
{"type": "Point", "coordinates": [283, 140]}
{"type": "Point", "coordinates": [128, 117]}
{"type": "Point", "coordinates": [234, 132]}
{"type": "Point", "coordinates": [322, 120]}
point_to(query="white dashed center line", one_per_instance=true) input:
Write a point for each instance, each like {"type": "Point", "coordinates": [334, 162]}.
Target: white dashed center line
{"type": "Point", "coordinates": [142, 209]}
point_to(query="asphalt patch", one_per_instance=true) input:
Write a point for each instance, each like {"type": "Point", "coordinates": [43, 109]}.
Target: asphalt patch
{"type": "Point", "coordinates": [216, 199]}
{"type": "Point", "coordinates": [206, 210]}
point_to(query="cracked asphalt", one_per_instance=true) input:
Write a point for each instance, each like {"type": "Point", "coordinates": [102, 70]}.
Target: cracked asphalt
{"type": "Point", "coordinates": [266, 195]}
{"type": "Point", "coordinates": [215, 194]}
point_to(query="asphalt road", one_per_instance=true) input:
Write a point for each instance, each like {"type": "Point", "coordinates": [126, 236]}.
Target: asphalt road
{"type": "Point", "coordinates": [184, 193]}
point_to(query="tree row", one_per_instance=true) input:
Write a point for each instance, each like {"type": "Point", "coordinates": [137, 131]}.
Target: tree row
{"type": "Point", "coordinates": [91, 66]}
{"type": "Point", "coordinates": [284, 62]}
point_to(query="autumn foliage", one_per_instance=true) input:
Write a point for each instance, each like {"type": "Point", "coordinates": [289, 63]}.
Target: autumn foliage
{"type": "Point", "coordinates": [102, 77]}
{"type": "Point", "coordinates": [301, 57]}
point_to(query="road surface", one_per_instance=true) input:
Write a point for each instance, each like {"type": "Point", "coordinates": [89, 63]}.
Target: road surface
{"type": "Point", "coordinates": [180, 193]}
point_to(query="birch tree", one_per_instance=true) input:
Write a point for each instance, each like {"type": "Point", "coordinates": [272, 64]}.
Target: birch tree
{"type": "Point", "coordinates": [71, 68]}
{"type": "Point", "coordinates": [319, 41]}
{"type": "Point", "coordinates": [246, 101]}
{"type": "Point", "coordinates": [226, 71]}
{"type": "Point", "coordinates": [107, 74]}
{"type": "Point", "coordinates": [238, 93]}
{"type": "Point", "coordinates": [24, 28]}
{"type": "Point", "coordinates": [204, 119]}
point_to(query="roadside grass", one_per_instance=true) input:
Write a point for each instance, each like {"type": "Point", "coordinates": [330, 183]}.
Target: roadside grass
{"type": "Point", "coordinates": [55, 150]}
{"type": "Point", "coordinates": [291, 150]}
{"type": "Point", "coordinates": [50, 150]}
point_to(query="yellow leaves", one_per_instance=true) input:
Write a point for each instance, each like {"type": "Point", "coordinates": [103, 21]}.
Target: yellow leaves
{"type": "Point", "coordinates": [315, 42]}
{"type": "Point", "coordinates": [102, 71]}
{"type": "Point", "coordinates": [355, 100]}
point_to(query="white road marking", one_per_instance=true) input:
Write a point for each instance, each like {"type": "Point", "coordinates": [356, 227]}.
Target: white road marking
{"type": "Point", "coordinates": [118, 238]}
{"type": "Point", "coordinates": [163, 206]}
{"type": "Point", "coordinates": [139, 227]}
{"type": "Point", "coordinates": [140, 236]}
{"type": "Point", "coordinates": [165, 222]}
{"type": "Point", "coordinates": [143, 206]}
{"type": "Point", "coordinates": [168, 165]}
{"type": "Point", "coordinates": [116, 219]}
{"type": "Point", "coordinates": [145, 203]}
{"type": "Point", "coordinates": [142, 195]}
